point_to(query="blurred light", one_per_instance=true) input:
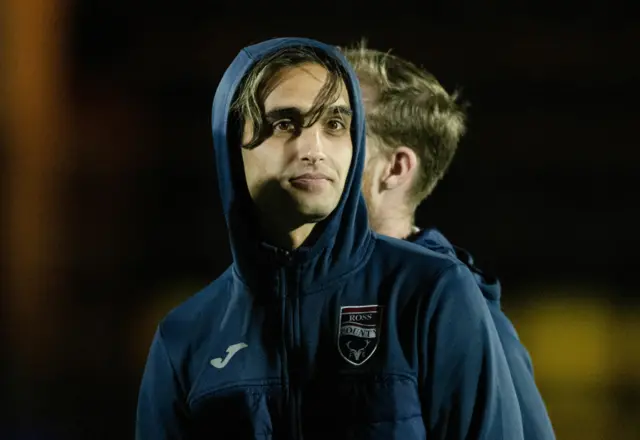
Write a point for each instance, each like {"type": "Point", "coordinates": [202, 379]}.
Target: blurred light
{"type": "Point", "coordinates": [143, 329]}
{"type": "Point", "coordinates": [627, 348]}
{"type": "Point", "coordinates": [570, 339]}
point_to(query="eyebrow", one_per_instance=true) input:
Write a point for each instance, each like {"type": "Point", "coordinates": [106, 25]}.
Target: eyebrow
{"type": "Point", "coordinates": [340, 109]}
{"type": "Point", "coordinates": [295, 112]}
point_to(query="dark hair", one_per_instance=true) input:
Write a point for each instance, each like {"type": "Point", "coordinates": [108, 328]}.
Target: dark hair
{"type": "Point", "coordinates": [261, 80]}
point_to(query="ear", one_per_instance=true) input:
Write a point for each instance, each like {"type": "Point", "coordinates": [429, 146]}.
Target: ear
{"type": "Point", "coordinates": [403, 163]}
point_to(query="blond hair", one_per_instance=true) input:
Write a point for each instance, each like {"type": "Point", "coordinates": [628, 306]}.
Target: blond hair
{"type": "Point", "coordinates": [410, 108]}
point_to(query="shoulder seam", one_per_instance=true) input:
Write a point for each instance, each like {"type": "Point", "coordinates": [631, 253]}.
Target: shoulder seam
{"type": "Point", "coordinates": [173, 369]}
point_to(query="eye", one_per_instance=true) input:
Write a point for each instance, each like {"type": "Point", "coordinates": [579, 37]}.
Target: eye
{"type": "Point", "coordinates": [284, 125]}
{"type": "Point", "coordinates": [336, 124]}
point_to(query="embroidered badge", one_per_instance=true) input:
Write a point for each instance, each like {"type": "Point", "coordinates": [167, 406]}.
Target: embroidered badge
{"type": "Point", "coordinates": [359, 332]}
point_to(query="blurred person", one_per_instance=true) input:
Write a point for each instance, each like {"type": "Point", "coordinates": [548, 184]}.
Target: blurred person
{"type": "Point", "coordinates": [320, 328]}
{"type": "Point", "coordinates": [413, 130]}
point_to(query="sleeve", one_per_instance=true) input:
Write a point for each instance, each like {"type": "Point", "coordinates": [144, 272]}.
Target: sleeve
{"type": "Point", "coordinates": [535, 419]}
{"type": "Point", "coordinates": [468, 392]}
{"type": "Point", "coordinates": [161, 412]}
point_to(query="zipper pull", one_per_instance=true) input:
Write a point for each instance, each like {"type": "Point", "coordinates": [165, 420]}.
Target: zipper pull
{"type": "Point", "coordinates": [284, 256]}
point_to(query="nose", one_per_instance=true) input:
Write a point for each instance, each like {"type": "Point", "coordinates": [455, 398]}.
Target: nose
{"type": "Point", "coordinates": [311, 144]}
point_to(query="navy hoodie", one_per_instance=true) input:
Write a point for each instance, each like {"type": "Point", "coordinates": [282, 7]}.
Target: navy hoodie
{"type": "Point", "coordinates": [355, 336]}
{"type": "Point", "coordinates": [535, 420]}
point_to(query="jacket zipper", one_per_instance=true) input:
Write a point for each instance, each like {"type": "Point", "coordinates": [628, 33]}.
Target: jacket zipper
{"type": "Point", "coordinates": [294, 363]}
{"type": "Point", "coordinates": [290, 320]}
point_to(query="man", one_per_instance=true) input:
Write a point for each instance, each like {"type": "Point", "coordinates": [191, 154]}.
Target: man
{"type": "Point", "coordinates": [320, 328]}
{"type": "Point", "coordinates": [414, 127]}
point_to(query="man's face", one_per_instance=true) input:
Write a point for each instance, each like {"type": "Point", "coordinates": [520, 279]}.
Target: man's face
{"type": "Point", "coordinates": [299, 172]}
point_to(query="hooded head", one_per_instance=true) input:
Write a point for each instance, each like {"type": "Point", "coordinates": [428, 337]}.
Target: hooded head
{"type": "Point", "coordinates": [288, 133]}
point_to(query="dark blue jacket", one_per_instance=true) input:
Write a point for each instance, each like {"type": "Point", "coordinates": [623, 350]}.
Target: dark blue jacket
{"type": "Point", "coordinates": [535, 420]}
{"type": "Point", "coordinates": [353, 336]}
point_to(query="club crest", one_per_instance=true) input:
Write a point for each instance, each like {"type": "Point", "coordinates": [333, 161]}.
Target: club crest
{"type": "Point", "coordinates": [359, 332]}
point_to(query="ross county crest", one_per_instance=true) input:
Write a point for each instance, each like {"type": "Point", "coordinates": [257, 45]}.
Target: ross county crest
{"type": "Point", "coordinates": [359, 332]}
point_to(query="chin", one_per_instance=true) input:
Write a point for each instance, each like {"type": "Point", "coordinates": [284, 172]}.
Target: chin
{"type": "Point", "coordinates": [315, 214]}
{"type": "Point", "coordinates": [313, 217]}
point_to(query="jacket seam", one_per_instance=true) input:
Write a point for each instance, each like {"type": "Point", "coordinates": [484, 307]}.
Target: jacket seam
{"type": "Point", "coordinates": [260, 383]}
{"type": "Point", "coordinates": [183, 400]}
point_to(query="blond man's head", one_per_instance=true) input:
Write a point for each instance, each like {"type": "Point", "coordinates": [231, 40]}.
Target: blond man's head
{"type": "Point", "coordinates": [406, 106]}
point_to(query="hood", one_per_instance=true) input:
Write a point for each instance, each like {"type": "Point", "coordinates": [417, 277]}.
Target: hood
{"type": "Point", "coordinates": [434, 240]}
{"type": "Point", "coordinates": [345, 235]}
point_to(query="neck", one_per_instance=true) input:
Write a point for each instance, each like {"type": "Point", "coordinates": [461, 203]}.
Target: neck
{"type": "Point", "coordinates": [289, 239]}
{"type": "Point", "coordinates": [395, 226]}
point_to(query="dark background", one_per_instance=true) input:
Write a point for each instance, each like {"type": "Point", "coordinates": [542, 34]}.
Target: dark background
{"type": "Point", "coordinates": [110, 214]}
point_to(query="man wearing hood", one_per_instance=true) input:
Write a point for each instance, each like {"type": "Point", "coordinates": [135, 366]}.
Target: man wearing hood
{"type": "Point", "coordinates": [413, 130]}
{"type": "Point", "coordinates": [320, 328]}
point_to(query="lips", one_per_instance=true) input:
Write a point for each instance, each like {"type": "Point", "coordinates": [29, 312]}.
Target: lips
{"type": "Point", "coordinates": [311, 182]}
{"type": "Point", "coordinates": [311, 177]}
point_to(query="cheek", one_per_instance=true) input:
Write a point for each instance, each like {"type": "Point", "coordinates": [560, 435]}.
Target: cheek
{"type": "Point", "coordinates": [261, 164]}
{"type": "Point", "coordinates": [252, 172]}
{"type": "Point", "coordinates": [345, 154]}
